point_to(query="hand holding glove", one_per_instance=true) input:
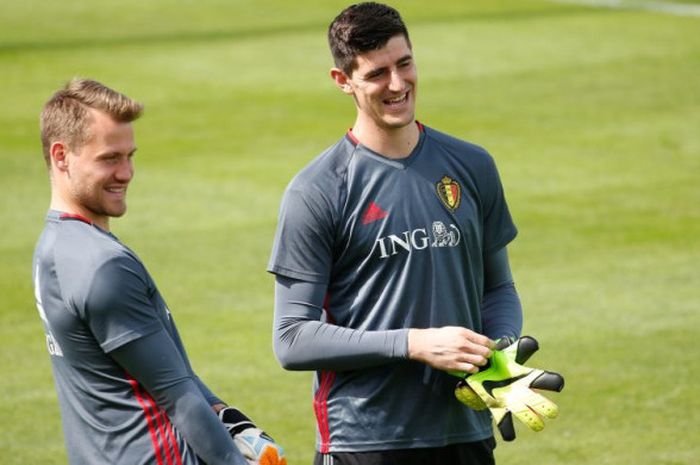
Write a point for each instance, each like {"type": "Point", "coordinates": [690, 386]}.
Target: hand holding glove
{"type": "Point", "coordinates": [255, 445]}
{"type": "Point", "coordinates": [504, 386]}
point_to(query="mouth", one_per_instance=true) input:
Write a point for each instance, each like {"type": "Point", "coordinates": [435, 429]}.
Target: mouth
{"type": "Point", "coordinates": [397, 101]}
{"type": "Point", "coordinates": [118, 191]}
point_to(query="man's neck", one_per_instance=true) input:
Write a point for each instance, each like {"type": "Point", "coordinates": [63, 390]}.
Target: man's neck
{"type": "Point", "coordinates": [391, 142]}
{"type": "Point", "coordinates": [58, 204]}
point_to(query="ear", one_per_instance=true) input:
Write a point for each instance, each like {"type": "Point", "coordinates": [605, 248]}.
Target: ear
{"type": "Point", "coordinates": [58, 153]}
{"type": "Point", "coordinates": [341, 80]}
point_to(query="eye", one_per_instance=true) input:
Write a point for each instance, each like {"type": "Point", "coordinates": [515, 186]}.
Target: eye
{"type": "Point", "coordinates": [374, 74]}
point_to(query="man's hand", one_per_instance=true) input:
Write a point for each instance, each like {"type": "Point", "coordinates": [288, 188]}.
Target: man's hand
{"type": "Point", "coordinates": [450, 348]}
{"type": "Point", "coordinates": [256, 446]}
{"type": "Point", "coordinates": [504, 386]}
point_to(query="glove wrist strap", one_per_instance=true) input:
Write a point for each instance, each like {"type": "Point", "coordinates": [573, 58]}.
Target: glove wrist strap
{"type": "Point", "coordinates": [235, 420]}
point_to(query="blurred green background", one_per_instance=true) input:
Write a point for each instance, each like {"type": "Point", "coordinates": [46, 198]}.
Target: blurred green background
{"type": "Point", "coordinates": [592, 114]}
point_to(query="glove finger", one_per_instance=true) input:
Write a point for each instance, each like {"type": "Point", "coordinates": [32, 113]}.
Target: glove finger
{"type": "Point", "coordinates": [468, 397]}
{"type": "Point", "coordinates": [527, 345]}
{"type": "Point", "coordinates": [504, 342]}
{"type": "Point", "coordinates": [270, 456]}
{"type": "Point", "coordinates": [526, 415]}
{"type": "Point", "coordinates": [504, 421]}
{"type": "Point", "coordinates": [541, 405]}
{"type": "Point", "coordinates": [549, 381]}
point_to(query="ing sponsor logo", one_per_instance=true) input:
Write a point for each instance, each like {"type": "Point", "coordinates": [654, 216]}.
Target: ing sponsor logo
{"type": "Point", "coordinates": [438, 235]}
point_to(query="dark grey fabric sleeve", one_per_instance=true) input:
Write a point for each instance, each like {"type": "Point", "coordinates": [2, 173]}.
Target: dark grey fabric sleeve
{"type": "Point", "coordinates": [155, 363]}
{"type": "Point", "coordinates": [303, 247]}
{"type": "Point", "coordinates": [501, 311]}
{"type": "Point", "coordinates": [302, 342]}
{"type": "Point", "coordinates": [117, 307]}
{"type": "Point", "coordinates": [208, 394]}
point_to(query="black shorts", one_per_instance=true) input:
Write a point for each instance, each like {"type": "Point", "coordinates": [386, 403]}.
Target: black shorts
{"type": "Point", "coordinates": [470, 453]}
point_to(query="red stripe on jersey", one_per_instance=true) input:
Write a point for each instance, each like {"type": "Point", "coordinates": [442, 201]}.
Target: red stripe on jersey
{"type": "Point", "coordinates": [161, 419]}
{"type": "Point", "coordinates": [162, 436]}
{"type": "Point", "coordinates": [324, 388]}
{"type": "Point", "coordinates": [149, 420]}
{"type": "Point", "coordinates": [173, 439]}
{"type": "Point", "coordinates": [321, 409]}
{"type": "Point", "coordinates": [169, 436]}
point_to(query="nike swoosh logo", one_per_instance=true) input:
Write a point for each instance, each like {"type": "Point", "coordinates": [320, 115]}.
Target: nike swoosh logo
{"type": "Point", "coordinates": [489, 386]}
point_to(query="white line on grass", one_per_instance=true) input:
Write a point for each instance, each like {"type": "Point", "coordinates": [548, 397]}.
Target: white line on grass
{"type": "Point", "coordinates": [678, 9]}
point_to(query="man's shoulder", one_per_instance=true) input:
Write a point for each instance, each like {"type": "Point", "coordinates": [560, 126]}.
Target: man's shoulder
{"type": "Point", "coordinates": [80, 250]}
{"type": "Point", "coordinates": [72, 254]}
{"type": "Point", "coordinates": [456, 145]}
{"type": "Point", "coordinates": [327, 169]}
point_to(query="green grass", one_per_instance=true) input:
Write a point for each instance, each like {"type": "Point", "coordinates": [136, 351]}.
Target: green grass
{"type": "Point", "coordinates": [592, 115]}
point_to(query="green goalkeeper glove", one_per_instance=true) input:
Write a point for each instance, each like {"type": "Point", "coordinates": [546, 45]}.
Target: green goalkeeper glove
{"type": "Point", "coordinates": [504, 386]}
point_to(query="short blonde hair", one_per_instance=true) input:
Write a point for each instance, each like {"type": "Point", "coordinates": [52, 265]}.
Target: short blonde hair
{"type": "Point", "coordinates": [65, 116]}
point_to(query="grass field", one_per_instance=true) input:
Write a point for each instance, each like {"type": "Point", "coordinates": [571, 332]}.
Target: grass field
{"type": "Point", "coordinates": [593, 116]}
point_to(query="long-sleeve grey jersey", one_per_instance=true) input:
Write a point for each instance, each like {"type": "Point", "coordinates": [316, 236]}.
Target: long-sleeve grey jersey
{"type": "Point", "coordinates": [126, 390]}
{"type": "Point", "coordinates": [397, 244]}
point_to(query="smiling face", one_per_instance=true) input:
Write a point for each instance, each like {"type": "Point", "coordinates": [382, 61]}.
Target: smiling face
{"type": "Point", "coordinates": [383, 83]}
{"type": "Point", "coordinates": [93, 178]}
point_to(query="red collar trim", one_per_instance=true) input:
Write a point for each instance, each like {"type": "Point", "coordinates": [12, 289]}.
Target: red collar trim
{"type": "Point", "coordinates": [352, 137]}
{"type": "Point", "coordinates": [75, 216]}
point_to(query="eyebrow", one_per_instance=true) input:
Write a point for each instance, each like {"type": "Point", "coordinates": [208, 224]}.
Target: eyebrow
{"type": "Point", "coordinates": [378, 71]}
{"type": "Point", "coordinates": [112, 154]}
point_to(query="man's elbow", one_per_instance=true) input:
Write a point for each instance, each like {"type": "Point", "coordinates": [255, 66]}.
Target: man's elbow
{"type": "Point", "coordinates": [287, 357]}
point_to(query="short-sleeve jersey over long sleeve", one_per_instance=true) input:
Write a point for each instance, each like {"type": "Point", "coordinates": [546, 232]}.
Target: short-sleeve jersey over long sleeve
{"type": "Point", "coordinates": [399, 244]}
{"type": "Point", "coordinates": [94, 297]}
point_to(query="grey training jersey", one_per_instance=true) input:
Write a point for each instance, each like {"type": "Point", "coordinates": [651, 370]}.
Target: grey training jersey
{"type": "Point", "coordinates": [108, 417]}
{"type": "Point", "coordinates": [400, 244]}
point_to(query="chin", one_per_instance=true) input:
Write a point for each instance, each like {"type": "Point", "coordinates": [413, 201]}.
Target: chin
{"type": "Point", "coordinates": [115, 212]}
{"type": "Point", "coordinates": [398, 124]}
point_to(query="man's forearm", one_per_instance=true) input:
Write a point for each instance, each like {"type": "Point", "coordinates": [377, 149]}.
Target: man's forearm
{"type": "Point", "coordinates": [154, 362]}
{"type": "Point", "coordinates": [303, 342]}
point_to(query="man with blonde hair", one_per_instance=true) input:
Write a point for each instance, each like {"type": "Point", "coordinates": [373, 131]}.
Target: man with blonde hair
{"type": "Point", "coordinates": [126, 390]}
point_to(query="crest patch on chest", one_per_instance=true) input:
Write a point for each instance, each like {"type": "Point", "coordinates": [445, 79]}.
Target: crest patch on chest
{"type": "Point", "coordinates": [449, 192]}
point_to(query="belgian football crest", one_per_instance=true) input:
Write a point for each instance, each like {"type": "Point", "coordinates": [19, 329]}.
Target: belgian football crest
{"type": "Point", "coordinates": [449, 192]}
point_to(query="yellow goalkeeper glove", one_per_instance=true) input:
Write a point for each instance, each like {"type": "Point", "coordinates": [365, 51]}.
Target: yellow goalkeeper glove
{"type": "Point", "coordinates": [505, 387]}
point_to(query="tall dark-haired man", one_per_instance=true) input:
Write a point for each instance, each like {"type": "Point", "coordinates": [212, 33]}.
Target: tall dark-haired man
{"type": "Point", "coordinates": [126, 390]}
{"type": "Point", "coordinates": [391, 266]}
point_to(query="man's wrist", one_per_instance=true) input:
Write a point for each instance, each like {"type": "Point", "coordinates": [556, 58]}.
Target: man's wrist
{"type": "Point", "coordinates": [218, 407]}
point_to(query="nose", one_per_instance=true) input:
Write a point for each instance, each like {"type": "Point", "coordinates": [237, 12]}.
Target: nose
{"type": "Point", "coordinates": [396, 81]}
{"type": "Point", "coordinates": [125, 171]}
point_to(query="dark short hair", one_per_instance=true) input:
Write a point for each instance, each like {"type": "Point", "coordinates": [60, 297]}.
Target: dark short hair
{"type": "Point", "coordinates": [361, 28]}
